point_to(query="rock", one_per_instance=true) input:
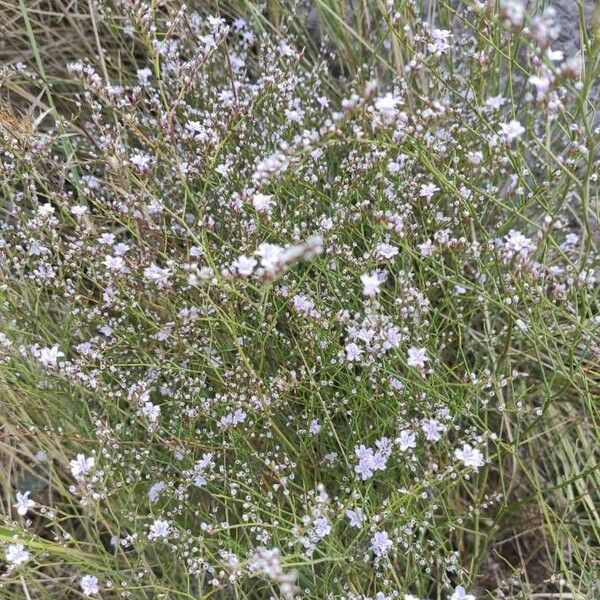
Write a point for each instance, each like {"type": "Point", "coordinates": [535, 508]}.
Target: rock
{"type": "Point", "coordinates": [568, 16]}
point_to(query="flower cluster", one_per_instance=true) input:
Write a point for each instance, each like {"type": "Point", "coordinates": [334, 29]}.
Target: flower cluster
{"type": "Point", "coordinates": [269, 331]}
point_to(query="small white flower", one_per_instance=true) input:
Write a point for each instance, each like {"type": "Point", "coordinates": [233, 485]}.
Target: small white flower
{"type": "Point", "coordinates": [78, 210]}
{"type": "Point", "coordinates": [45, 210]}
{"type": "Point", "coordinates": [517, 242]}
{"type": "Point", "coordinates": [371, 283]}
{"type": "Point", "coordinates": [244, 265]}
{"type": "Point", "coordinates": [426, 248]}
{"type": "Point", "coordinates": [16, 554]}
{"type": "Point", "coordinates": [417, 357]}
{"type": "Point", "coordinates": [159, 530]}
{"type": "Point", "coordinates": [156, 490]}
{"type": "Point", "coordinates": [353, 352]}
{"type": "Point", "coordinates": [385, 251]}
{"type": "Point", "coordinates": [522, 325]}
{"type": "Point", "coordinates": [356, 517]}
{"type": "Point", "coordinates": [428, 190]}
{"type": "Point", "coordinates": [321, 527]}
{"type": "Point", "coordinates": [387, 106]}
{"type": "Point", "coordinates": [495, 102]}
{"type": "Point", "coordinates": [407, 439]}
{"type": "Point", "coordinates": [554, 55]}
{"type": "Point", "coordinates": [157, 275]}
{"type": "Point", "coordinates": [23, 503]}
{"type": "Point", "coordinates": [439, 45]}
{"type": "Point", "coordinates": [49, 356]}
{"type": "Point", "coordinates": [471, 457]}
{"type": "Point", "coordinates": [143, 75]}
{"type": "Point", "coordinates": [114, 263]}
{"type": "Point", "coordinates": [82, 466]}
{"type": "Point", "coordinates": [150, 411]}
{"type": "Point", "coordinates": [314, 427]}
{"type": "Point", "coordinates": [270, 256]}
{"type": "Point", "coordinates": [89, 585]}
{"type": "Point", "coordinates": [262, 202]}
{"type": "Point", "coordinates": [432, 430]}
{"type": "Point", "coordinates": [461, 594]}
{"type": "Point", "coordinates": [108, 239]}
{"type": "Point", "coordinates": [381, 544]}
{"type": "Point", "coordinates": [511, 131]}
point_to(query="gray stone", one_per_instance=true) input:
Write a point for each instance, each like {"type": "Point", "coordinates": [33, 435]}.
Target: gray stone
{"type": "Point", "coordinates": [569, 18]}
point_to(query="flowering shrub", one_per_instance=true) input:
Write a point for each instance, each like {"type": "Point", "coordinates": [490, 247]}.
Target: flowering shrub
{"type": "Point", "coordinates": [268, 332]}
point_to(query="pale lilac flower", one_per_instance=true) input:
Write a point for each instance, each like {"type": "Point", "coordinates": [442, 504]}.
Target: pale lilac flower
{"type": "Point", "coordinates": [89, 585]}
{"type": "Point", "coordinates": [353, 352]}
{"type": "Point", "coordinates": [16, 554]}
{"type": "Point", "coordinates": [159, 530]}
{"type": "Point", "coordinates": [370, 461]}
{"type": "Point", "coordinates": [82, 466]}
{"type": "Point", "coordinates": [517, 242]}
{"type": "Point", "coordinates": [270, 256]}
{"type": "Point", "coordinates": [387, 106]}
{"type": "Point", "coordinates": [356, 517]}
{"type": "Point", "coordinates": [495, 102]}
{"type": "Point", "coordinates": [23, 503]}
{"type": "Point", "coordinates": [48, 356]}
{"type": "Point", "coordinates": [232, 419]}
{"type": "Point", "coordinates": [371, 283]}
{"type": "Point", "coordinates": [321, 527]}
{"type": "Point", "coordinates": [432, 430]}
{"type": "Point", "coordinates": [417, 357]}
{"type": "Point", "coordinates": [114, 263]}
{"type": "Point", "coordinates": [471, 457]}
{"type": "Point", "coordinates": [314, 427]}
{"type": "Point", "coordinates": [513, 11]}
{"type": "Point", "coordinates": [541, 84]}
{"type": "Point", "coordinates": [120, 249]}
{"type": "Point", "coordinates": [439, 45]}
{"type": "Point", "coordinates": [156, 490]}
{"type": "Point", "coordinates": [150, 411]}
{"type": "Point", "coordinates": [262, 202]}
{"type": "Point", "coordinates": [386, 251]}
{"type": "Point", "coordinates": [396, 384]}
{"type": "Point", "coordinates": [156, 275]}
{"type": "Point", "coordinates": [78, 210]}
{"type": "Point", "coordinates": [366, 462]}
{"type": "Point", "coordinates": [392, 337]}
{"type": "Point", "coordinates": [511, 131]}
{"type": "Point", "coordinates": [244, 265]}
{"type": "Point", "coordinates": [303, 304]}
{"type": "Point", "coordinates": [407, 439]}
{"type": "Point", "coordinates": [107, 239]}
{"type": "Point", "coordinates": [461, 594]}
{"type": "Point", "coordinates": [141, 161]}
{"type": "Point", "coordinates": [426, 248]}
{"type": "Point", "coordinates": [381, 544]}
{"type": "Point", "coordinates": [428, 190]}
{"type": "Point", "coordinates": [143, 75]}
{"type": "Point", "coordinates": [202, 466]}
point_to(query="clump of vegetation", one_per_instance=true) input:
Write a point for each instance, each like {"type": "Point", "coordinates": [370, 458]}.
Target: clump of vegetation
{"type": "Point", "coordinates": [287, 315]}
